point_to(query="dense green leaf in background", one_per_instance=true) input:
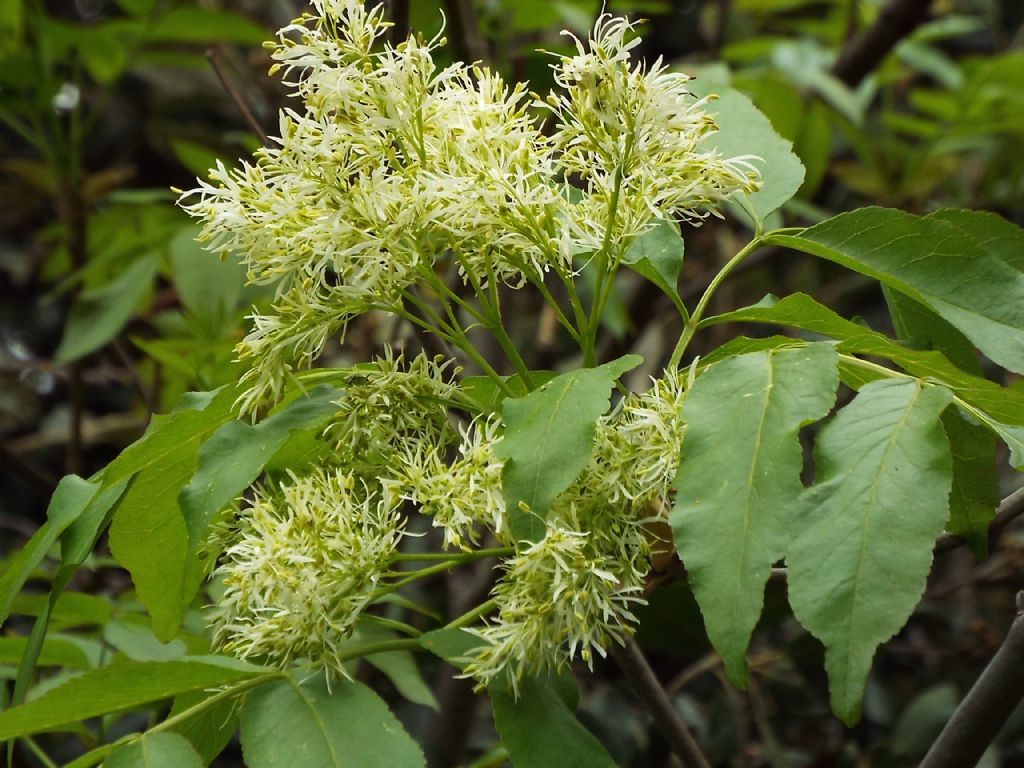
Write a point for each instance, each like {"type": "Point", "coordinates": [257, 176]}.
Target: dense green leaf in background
{"type": "Point", "coordinates": [291, 723]}
{"type": "Point", "coordinates": [864, 532]}
{"type": "Point", "coordinates": [549, 435]}
{"type": "Point", "coordinates": [739, 481]}
{"type": "Point", "coordinates": [99, 314]}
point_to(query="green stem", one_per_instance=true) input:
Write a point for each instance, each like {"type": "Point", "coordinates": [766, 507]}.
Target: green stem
{"type": "Point", "coordinates": [694, 322]}
{"type": "Point", "coordinates": [227, 693]}
{"type": "Point", "coordinates": [36, 750]}
{"type": "Point", "coordinates": [465, 557]}
{"type": "Point", "coordinates": [398, 626]}
{"type": "Point", "coordinates": [472, 615]}
{"type": "Point", "coordinates": [384, 646]}
{"type": "Point", "coordinates": [606, 265]}
{"type": "Point", "coordinates": [491, 319]}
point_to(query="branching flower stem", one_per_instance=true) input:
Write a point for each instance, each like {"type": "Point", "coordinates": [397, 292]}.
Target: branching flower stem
{"type": "Point", "coordinates": [606, 264]}
{"type": "Point", "coordinates": [691, 326]}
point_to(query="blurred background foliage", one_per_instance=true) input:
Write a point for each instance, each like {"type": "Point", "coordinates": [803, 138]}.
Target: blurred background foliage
{"type": "Point", "coordinates": [109, 310]}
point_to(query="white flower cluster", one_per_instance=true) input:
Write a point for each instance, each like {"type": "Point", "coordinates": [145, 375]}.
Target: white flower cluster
{"type": "Point", "coordinates": [305, 563]}
{"type": "Point", "coordinates": [393, 165]}
{"type": "Point", "coordinates": [390, 406]}
{"type": "Point", "coordinates": [569, 594]}
{"type": "Point", "coordinates": [463, 497]}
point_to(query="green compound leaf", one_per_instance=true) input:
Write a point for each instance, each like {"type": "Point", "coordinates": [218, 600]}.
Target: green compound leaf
{"type": "Point", "coordinates": [540, 731]}
{"type": "Point", "coordinates": [155, 750]}
{"type": "Point", "coordinates": [290, 723]}
{"type": "Point", "coordinates": [232, 459]}
{"type": "Point", "coordinates": [739, 482]}
{"type": "Point", "coordinates": [194, 418]}
{"type": "Point", "coordinates": [864, 532]}
{"type": "Point", "coordinates": [148, 533]}
{"type": "Point", "coordinates": [975, 494]}
{"type": "Point", "coordinates": [549, 436]}
{"type": "Point", "coordinates": [657, 254]}
{"type": "Point", "coordinates": [118, 687]}
{"type": "Point", "coordinates": [1003, 404]}
{"type": "Point", "coordinates": [744, 130]}
{"type": "Point", "coordinates": [98, 315]}
{"type": "Point", "coordinates": [934, 262]}
{"type": "Point", "coordinates": [69, 501]}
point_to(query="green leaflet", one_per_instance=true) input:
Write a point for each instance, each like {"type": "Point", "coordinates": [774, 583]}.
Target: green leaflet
{"type": "Point", "coordinates": [801, 311]}
{"type": "Point", "coordinates": [69, 501]}
{"type": "Point", "coordinates": [657, 254]}
{"type": "Point", "coordinates": [935, 262]}
{"type": "Point", "coordinates": [148, 534]}
{"type": "Point", "coordinates": [539, 730]}
{"type": "Point", "coordinates": [975, 494]}
{"type": "Point", "coordinates": [744, 130]}
{"type": "Point", "coordinates": [232, 459]}
{"type": "Point", "coordinates": [923, 329]}
{"type": "Point", "coordinates": [739, 481]}
{"type": "Point", "coordinates": [549, 436]}
{"type": "Point", "coordinates": [118, 687]}
{"type": "Point", "coordinates": [155, 750]}
{"type": "Point", "coordinates": [149, 538]}
{"type": "Point", "coordinates": [864, 532]}
{"type": "Point", "coordinates": [291, 723]}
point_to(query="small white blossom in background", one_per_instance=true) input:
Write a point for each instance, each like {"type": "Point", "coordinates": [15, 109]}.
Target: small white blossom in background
{"type": "Point", "coordinates": [306, 561]}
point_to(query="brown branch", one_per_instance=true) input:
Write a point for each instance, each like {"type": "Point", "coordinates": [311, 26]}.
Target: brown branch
{"type": "Point", "coordinates": [987, 706]}
{"type": "Point", "coordinates": [865, 51]}
{"type": "Point", "coordinates": [633, 664]}
{"type": "Point", "coordinates": [243, 107]}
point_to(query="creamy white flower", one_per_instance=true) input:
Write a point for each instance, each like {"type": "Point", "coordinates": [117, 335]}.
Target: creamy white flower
{"type": "Point", "coordinates": [464, 497]}
{"type": "Point", "coordinates": [305, 563]}
{"type": "Point", "coordinates": [559, 599]}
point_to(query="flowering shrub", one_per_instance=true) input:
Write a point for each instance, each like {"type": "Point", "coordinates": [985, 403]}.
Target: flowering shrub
{"type": "Point", "coordinates": [430, 194]}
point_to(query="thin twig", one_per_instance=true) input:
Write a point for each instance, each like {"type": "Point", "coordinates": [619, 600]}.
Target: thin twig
{"type": "Point", "coordinates": [987, 706]}
{"type": "Point", "coordinates": [72, 210]}
{"type": "Point", "coordinates": [633, 664]}
{"type": "Point", "coordinates": [865, 51]}
{"type": "Point", "coordinates": [250, 119]}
